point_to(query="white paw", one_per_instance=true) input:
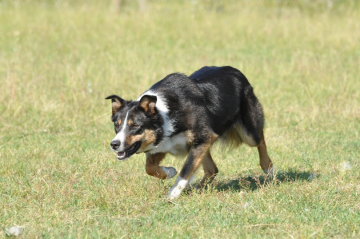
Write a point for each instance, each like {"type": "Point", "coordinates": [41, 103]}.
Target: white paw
{"type": "Point", "coordinates": [170, 171]}
{"type": "Point", "coordinates": [178, 187]}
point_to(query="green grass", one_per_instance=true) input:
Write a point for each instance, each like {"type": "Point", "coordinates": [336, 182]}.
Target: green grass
{"type": "Point", "coordinates": [60, 59]}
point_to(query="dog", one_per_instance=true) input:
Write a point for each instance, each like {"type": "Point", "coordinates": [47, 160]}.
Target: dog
{"type": "Point", "coordinates": [184, 115]}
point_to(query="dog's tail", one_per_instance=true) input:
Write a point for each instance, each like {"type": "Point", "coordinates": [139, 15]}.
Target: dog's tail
{"type": "Point", "coordinates": [249, 124]}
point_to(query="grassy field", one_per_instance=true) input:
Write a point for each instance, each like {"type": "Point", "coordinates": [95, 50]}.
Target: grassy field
{"type": "Point", "coordinates": [60, 59]}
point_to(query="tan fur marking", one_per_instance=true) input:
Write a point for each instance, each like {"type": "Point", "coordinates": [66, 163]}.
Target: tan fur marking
{"type": "Point", "coordinates": [149, 138]}
{"type": "Point", "coordinates": [152, 165]}
{"type": "Point", "coordinates": [115, 105]}
{"type": "Point", "coordinates": [131, 139]}
{"type": "Point", "coordinates": [119, 121]}
{"type": "Point", "coordinates": [189, 136]}
{"type": "Point", "coordinates": [210, 170]}
{"type": "Point", "coordinates": [231, 138]}
{"type": "Point", "coordinates": [195, 158]}
{"type": "Point", "coordinates": [145, 104]}
{"type": "Point", "coordinates": [152, 107]}
{"type": "Point", "coordinates": [237, 135]}
{"type": "Point", "coordinates": [130, 122]}
{"type": "Point", "coordinates": [265, 161]}
{"type": "Point", "coordinates": [146, 138]}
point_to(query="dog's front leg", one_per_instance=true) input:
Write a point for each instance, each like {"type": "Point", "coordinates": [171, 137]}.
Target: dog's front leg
{"type": "Point", "coordinates": [194, 160]}
{"type": "Point", "coordinates": [153, 168]}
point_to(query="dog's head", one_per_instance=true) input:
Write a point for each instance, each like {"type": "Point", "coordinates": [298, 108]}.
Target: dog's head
{"type": "Point", "coordinates": [137, 125]}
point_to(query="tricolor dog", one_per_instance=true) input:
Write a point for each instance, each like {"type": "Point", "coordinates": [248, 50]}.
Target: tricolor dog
{"type": "Point", "coordinates": [185, 115]}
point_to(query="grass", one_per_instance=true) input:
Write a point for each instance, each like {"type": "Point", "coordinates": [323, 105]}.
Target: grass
{"type": "Point", "coordinates": [60, 59]}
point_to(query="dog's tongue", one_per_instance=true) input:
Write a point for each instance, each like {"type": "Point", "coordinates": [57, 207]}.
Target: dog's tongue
{"type": "Point", "coordinates": [121, 155]}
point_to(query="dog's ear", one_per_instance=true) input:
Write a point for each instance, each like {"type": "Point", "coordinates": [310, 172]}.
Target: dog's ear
{"type": "Point", "coordinates": [148, 102]}
{"type": "Point", "coordinates": [117, 102]}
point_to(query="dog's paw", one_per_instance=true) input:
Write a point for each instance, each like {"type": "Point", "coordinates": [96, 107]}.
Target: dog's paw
{"type": "Point", "coordinates": [270, 172]}
{"type": "Point", "coordinates": [176, 190]}
{"type": "Point", "coordinates": [173, 194]}
{"type": "Point", "coordinates": [170, 171]}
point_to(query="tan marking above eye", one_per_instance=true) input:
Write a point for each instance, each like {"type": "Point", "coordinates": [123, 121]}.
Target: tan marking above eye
{"type": "Point", "coordinates": [130, 122]}
{"type": "Point", "coordinates": [119, 122]}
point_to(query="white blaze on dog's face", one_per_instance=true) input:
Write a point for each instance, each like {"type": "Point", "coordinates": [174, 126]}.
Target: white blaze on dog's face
{"type": "Point", "coordinates": [136, 125]}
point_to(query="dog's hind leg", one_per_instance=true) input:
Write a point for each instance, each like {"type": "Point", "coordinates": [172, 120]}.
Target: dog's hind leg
{"type": "Point", "coordinates": [251, 127]}
{"type": "Point", "coordinates": [154, 169]}
{"type": "Point", "coordinates": [210, 170]}
{"type": "Point", "coordinates": [265, 161]}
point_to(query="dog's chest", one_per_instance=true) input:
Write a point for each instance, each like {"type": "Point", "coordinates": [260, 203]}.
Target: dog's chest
{"type": "Point", "coordinates": [175, 145]}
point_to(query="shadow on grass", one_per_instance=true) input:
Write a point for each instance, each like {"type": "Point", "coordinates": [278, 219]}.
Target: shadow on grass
{"type": "Point", "coordinates": [253, 183]}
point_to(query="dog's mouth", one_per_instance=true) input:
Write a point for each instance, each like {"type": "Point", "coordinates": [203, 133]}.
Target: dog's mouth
{"type": "Point", "coordinates": [129, 151]}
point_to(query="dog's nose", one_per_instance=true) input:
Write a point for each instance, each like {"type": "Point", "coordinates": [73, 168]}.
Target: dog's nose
{"type": "Point", "coordinates": [115, 144]}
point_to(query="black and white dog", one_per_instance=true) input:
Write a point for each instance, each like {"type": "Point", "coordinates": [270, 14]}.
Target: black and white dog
{"type": "Point", "coordinates": [184, 115]}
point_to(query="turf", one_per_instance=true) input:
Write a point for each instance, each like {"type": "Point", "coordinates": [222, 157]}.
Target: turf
{"type": "Point", "coordinates": [60, 59]}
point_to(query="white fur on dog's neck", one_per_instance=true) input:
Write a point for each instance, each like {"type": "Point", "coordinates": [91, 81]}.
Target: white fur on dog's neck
{"type": "Point", "coordinates": [175, 145]}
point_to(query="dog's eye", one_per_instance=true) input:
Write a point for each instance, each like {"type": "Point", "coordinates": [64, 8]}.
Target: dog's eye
{"type": "Point", "coordinates": [116, 125]}
{"type": "Point", "coordinates": [135, 126]}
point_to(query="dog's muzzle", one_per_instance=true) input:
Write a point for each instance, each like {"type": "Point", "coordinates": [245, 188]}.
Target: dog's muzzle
{"type": "Point", "coordinates": [121, 155]}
